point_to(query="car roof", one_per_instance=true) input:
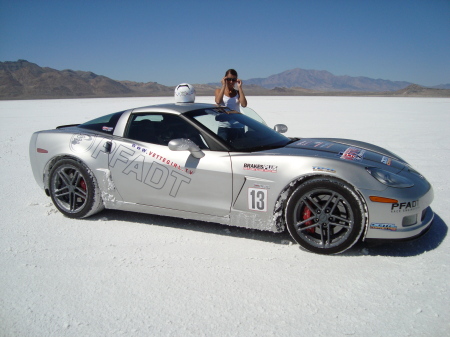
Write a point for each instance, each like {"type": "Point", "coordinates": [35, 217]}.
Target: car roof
{"type": "Point", "coordinates": [177, 108]}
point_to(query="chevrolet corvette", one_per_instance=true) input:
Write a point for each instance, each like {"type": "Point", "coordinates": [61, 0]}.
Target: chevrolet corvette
{"type": "Point", "coordinates": [208, 163]}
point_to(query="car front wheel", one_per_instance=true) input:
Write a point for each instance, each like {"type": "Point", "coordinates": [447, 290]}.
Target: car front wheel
{"type": "Point", "coordinates": [325, 216]}
{"type": "Point", "coordinates": [74, 190]}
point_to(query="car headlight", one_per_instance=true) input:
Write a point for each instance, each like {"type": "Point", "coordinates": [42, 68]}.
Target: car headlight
{"type": "Point", "coordinates": [389, 179]}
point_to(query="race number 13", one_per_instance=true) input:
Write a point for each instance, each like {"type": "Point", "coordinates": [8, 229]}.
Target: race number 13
{"type": "Point", "coordinates": [257, 199]}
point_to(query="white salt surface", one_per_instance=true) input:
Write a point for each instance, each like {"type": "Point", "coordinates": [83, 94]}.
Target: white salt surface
{"type": "Point", "coordinates": [129, 274]}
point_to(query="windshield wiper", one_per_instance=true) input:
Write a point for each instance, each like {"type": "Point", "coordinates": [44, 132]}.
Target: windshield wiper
{"type": "Point", "coordinates": [264, 147]}
{"type": "Point", "coordinates": [293, 140]}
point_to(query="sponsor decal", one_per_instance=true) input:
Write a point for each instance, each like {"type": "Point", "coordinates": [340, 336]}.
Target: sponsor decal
{"type": "Point", "coordinates": [303, 142]}
{"type": "Point", "coordinates": [323, 169]}
{"type": "Point", "coordinates": [261, 167]}
{"type": "Point", "coordinates": [353, 153]}
{"type": "Point", "coordinates": [386, 160]}
{"type": "Point", "coordinates": [384, 226]}
{"type": "Point", "coordinates": [107, 128]}
{"type": "Point", "coordinates": [266, 187]}
{"type": "Point", "coordinates": [404, 206]}
{"type": "Point", "coordinates": [144, 165]}
{"type": "Point", "coordinates": [312, 144]}
{"type": "Point", "coordinates": [322, 145]}
{"type": "Point", "coordinates": [325, 145]}
{"type": "Point", "coordinates": [81, 142]}
{"type": "Point", "coordinates": [162, 159]}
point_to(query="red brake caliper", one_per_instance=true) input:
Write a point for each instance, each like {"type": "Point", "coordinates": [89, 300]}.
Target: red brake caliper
{"type": "Point", "coordinates": [306, 215]}
{"type": "Point", "coordinates": [83, 184]}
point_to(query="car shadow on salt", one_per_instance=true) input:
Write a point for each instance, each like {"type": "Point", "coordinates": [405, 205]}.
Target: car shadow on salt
{"type": "Point", "coordinates": [427, 242]}
{"type": "Point", "coordinates": [193, 225]}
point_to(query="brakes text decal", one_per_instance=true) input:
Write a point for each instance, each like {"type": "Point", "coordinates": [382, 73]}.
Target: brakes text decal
{"type": "Point", "coordinates": [261, 167]}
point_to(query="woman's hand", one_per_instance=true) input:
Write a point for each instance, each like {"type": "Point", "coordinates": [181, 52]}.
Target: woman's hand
{"type": "Point", "coordinates": [224, 81]}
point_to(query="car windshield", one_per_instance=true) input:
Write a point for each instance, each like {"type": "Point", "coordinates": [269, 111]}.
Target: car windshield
{"type": "Point", "coordinates": [240, 132]}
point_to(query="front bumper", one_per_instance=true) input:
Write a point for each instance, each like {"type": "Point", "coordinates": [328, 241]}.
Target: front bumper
{"type": "Point", "coordinates": [401, 221]}
{"type": "Point", "coordinates": [409, 234]}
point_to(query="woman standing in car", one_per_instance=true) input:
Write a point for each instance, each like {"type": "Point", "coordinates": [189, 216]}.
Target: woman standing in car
{"type": "Point", "coordinates": [228, 95]}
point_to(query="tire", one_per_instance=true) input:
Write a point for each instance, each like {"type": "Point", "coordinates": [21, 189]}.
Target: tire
{"type": "Point", "coordinates": [74, 189]}
{"type": "Point", "coordinates": [325, 216]}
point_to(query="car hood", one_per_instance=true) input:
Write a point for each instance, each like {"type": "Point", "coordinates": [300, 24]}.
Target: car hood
{"type": "Point", "coordinates": [350, 150]}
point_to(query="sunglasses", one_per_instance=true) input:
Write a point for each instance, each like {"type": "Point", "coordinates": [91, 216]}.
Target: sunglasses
{"type": "Point", "coordinates": [229, 79]}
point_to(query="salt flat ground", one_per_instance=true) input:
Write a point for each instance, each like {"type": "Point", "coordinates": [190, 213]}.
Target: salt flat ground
{"type": "Point", "coordinates": [128, 274]}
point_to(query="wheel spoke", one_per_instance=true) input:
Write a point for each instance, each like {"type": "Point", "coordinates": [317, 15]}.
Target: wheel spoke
{"type": "Point", "coordinates": [301, 223]}
{"type": "Point", "coordinates": [307, 227]}
{"type": "Point", "coordinates": [64, 177]}
{"type": "Point", "coordinates": [348, 226]}
{"type": "Point", "coordinates": [62, 192]}
{"type": "Point", "coordinates": [311, 201]}
{"type": "Point", "coordinates": [80, 193]}
{"type": "Point", "coordinates": [335, 205]}
{"type": "Point", "coordinates": [329, 201]}
{"type": "Point", "coordinates": [75, 179]}
{"type": "Point", "coordinates": [346, 220]}
{"type": "Point", "coordinates": [73, 201]}
{"type": "Point", "coordinates": [324, 236]}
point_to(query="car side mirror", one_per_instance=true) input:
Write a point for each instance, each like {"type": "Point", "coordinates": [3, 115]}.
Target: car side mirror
{"type": "Point", "coordinates": [183, 144]}
{"type": "Point", "coordinates": [280, 128]}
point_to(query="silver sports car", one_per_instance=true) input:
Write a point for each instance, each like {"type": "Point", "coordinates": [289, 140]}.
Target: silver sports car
{"type": "Point", "coordinates": [208, 163]}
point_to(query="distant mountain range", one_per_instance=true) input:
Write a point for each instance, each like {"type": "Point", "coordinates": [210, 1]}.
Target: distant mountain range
{"type": "Point", "coordinates": [23, 79]}
{"type": "Point", "coordinates": [325, 81]}
{"type": "Point", "coordinates": [26, 80]}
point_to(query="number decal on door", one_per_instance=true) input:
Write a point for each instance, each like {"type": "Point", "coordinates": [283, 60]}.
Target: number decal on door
{"type": "Point", "coordinates": [257, 199]}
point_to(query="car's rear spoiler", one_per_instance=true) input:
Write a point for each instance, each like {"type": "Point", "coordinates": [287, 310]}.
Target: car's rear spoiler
{"type": "Point", "coordinates": [66, 126]}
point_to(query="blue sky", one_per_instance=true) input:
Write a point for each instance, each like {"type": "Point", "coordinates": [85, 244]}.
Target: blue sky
{"type": "Point", "coordinates": [170, 42]}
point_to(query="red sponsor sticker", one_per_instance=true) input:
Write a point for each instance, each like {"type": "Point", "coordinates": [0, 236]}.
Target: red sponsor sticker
{"type": "Point", "coordinates": [353, 153]}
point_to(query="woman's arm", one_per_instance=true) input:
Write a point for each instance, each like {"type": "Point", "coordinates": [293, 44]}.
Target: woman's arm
{"type": "Point", "coordinates": [220, 92]}
{"type": "Point", "coordinates": [242, 98]}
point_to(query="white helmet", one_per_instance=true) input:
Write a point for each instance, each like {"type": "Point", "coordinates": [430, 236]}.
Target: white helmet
{"type": "Point", "coordinates": [184, 93]}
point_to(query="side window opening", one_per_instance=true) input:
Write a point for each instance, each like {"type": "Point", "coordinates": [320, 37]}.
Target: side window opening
{"type": "Point", "coordinates": [162, 128]}
{"type": "Point", "coordinates": [105, 124]}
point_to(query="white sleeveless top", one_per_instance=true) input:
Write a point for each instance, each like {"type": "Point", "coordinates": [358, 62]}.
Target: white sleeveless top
{"type": "Point", "coordinates": [232, 102]}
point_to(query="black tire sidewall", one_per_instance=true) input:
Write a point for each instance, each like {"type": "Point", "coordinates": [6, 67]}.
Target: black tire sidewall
{"type": "Point", "coordinates": [345, 191]}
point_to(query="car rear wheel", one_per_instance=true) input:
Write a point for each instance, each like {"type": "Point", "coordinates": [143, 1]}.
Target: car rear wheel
{"type": "Point", "coordinates": [74, 189]}
{"type": "Point", "coordinates": [325, 216]}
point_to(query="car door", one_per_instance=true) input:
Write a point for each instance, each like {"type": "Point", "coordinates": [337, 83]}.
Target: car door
{"type": "Point", "coordinates": [145, 171]}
